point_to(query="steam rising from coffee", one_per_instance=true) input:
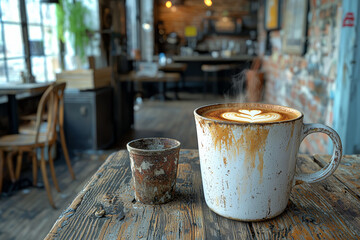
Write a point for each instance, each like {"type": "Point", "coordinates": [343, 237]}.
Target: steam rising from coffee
{"type": "Point", "coordinates": [236, 92]}
{"type": "Point", "coordinates": [245, 82]}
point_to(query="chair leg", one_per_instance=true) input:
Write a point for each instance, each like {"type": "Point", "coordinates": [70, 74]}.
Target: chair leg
{"type": "Point", "coordinates": [66, 153]}
{"type": "Point", "coordinates": [52, 169]}
{"type": "Point", "coordinates": [35, 167]}
{"type": "Point", "coordinates": [11, 166]}
{"type": "Point", "coordinates": [18, 165]}
{"type": "Point", "coordinates": [1, 169]}
{"type": "Point", "coordinates": [45, 178]}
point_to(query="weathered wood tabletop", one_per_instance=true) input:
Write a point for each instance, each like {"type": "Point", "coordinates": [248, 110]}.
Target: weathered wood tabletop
{"type": "Point", "coordinates": [106, 208]}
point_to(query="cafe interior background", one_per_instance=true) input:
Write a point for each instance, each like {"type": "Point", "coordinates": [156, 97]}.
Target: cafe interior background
{"type": "Point", "coordinates": [138, 68]}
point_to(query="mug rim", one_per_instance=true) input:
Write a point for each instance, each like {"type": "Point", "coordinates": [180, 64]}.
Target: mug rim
{"type": "Point", "coordinates": [197, 114]}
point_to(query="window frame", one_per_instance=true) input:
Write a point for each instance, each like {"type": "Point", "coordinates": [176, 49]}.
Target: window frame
{"type": "Point", "coordinates": [27, 56]}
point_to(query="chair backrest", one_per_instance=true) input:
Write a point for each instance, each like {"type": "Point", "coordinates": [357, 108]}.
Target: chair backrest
{"type": "Point", "coordinates": [49, 102]}
{"type": "Point", "coordinates": [46, 101]}
{"type": "Point", "coordinates": [59, 91]}
{"type": "Point", "coordinates": [52, 101]}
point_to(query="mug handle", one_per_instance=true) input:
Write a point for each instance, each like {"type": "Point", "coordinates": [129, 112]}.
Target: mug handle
{"type": "Point", "coordinates": [335, 158]}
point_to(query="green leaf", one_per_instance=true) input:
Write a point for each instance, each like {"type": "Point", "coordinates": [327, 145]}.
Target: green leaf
{"type": "Point", "coordinates": [71, 18]}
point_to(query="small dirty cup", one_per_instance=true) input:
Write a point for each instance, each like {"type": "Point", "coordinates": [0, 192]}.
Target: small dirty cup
{"type": "Point", "coordinates": [154, 167]}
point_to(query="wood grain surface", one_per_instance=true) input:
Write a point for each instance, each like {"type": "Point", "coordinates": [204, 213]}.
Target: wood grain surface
{"type": "Point", "coordinates": [106, 208]}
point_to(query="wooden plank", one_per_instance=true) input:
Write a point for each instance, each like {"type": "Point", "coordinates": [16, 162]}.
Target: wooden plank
{"type": "Point", "coordinates": [315, 211]}
{"type": "Point", "coordinates": [321, 210]}
{"type": "Point", "coordinates": [79, 220]}
{"type": "Point", "coordinates": [210, 225]}
{"type": "Point", "coordinates": [109, 193]}
{"type": "Point", "coordinates": [27, 214]}
{"type": "Point", "coordinates": [181, 218]}
{"type": "Point", "coordinates": [85, 78]}
{"type": "Point", "coordinates": [348, 172]}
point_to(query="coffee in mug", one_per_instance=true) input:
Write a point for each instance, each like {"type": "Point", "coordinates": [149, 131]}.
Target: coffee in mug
{"type": "Point", "coordinates": [250, 114]}
{"type": "Point", "coordinates": [248, 155]}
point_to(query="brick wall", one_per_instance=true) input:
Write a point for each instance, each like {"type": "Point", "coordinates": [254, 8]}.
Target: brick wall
{"type": "Point", "coordinates": [306, 82]}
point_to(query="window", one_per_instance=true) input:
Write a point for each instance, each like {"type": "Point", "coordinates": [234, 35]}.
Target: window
{"type": "Point", "coordinates": [37, 30]}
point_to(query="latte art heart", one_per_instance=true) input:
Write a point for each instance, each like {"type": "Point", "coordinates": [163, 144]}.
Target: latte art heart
{"type": "Point", "coordinates": [251, 116]}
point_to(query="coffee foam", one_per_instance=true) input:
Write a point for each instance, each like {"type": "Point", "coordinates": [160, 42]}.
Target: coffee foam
{"type": "Point", "coordinates": [251, 116]}
{"type": "Point", "coordinates": [250, 113]}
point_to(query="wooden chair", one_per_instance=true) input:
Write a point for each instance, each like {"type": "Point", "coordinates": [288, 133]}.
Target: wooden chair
{"type": "Point", "coordinates": [29, 127]}
{"type": "Point", "coordinates": [29, 143]}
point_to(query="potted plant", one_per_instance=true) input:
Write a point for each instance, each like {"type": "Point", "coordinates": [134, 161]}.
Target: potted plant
{"type": "Point", "coordinates": [72, 25]}
{"type": "Point", "coordinates": [71, 18]}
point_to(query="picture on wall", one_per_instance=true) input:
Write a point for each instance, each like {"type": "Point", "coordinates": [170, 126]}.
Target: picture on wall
{"type": "Point", "coordinates": [295, 26]}
{"type": "Point", "coordinates": [272, 15]}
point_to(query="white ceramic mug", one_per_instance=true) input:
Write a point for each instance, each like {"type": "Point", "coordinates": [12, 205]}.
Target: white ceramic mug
{"type": "Point", "coordinates": [248, 169]}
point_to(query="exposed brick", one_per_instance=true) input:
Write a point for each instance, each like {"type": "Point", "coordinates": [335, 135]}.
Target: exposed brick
{"type": "Point", "coordinates": [288, 75]}
{"type": "Point", "coordinates": [311, 85]}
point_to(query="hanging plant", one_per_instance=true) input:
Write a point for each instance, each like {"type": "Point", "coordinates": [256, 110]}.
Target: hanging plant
{"type": "Point", "coordinates": [71, 18]}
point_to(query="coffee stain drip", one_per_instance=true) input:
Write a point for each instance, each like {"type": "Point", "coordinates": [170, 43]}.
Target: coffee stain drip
{"type": "Point", "coordinates": [252, 141]}
{"type": "Point", "coordinates": [255, 141]}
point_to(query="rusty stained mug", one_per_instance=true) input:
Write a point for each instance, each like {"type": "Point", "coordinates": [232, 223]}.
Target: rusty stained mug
{"type": "Point", "coordinates": [248, 157]}
{"type": "Point", "coordinates": [154, 164]}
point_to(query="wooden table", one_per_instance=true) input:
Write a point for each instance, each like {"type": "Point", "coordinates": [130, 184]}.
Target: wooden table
{"type": "Point", "coordinates": [11, 89]}
{"type": "Point", "coordinates": [175, 68]}
{"type": "Point", "coordinates": [161, 77]}
{"type": "Point", "coordinates": [214, 69]}
{"type": "Point", "coordinates": [106, 208]}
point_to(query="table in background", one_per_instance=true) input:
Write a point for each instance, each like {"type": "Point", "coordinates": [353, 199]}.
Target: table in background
{"type": "Point", "coordinates": [214, 69]}
{"type": "Point", "coordinates": [11, 89]}
{"type": "Point", "coordinates": [106, 208]}
{"type": "Point", "coordinates": [161, 77]}
{"type": "Point", "coordinates": [175, 68]}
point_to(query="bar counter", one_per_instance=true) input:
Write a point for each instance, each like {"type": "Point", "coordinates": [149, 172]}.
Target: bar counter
{"type": "Point", "coordinates": [209, 58]}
